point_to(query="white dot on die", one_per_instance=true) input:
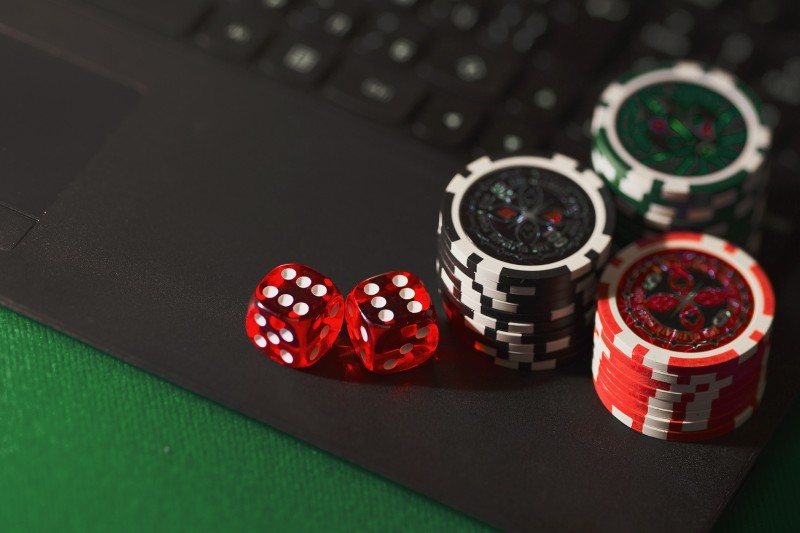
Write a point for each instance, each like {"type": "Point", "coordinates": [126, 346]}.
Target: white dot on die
{"type": "Point", "coordinates": [274, 339]}
{"type": "Point", "coordinates": [287, 357]}
{"type": "Point", "coordinates": [324, 332]}
{"type": "Point", "coordinates": [400, 280]}
{"type": "Point", "coordinates": [300, 308]}
{"type": "Point", "coordinates": [386, 315]}
{"type": "Point", "coordinates": [334, 310]}
{"type": "Point", "coordinates": [364, 334]}
{"type": "Point", "coordinates": [378, 302]}
{"type": "Point", "coordinates": [414, 306]}
{"type": "Point", "coordinates": [407, 347]}
{"type": "Point", "coordinates": [407, 293]}
{"type": "Point", "coordinates": [422, 333]}
{"type": "Point", "coordinates": [260, 341]}
{"type": "Point", "coordinates": [371, 289]}
{"type": "Point", "coordinates": [363, 355]}
{"type": "Point", "coordinates": [314, 353]}
{"type": "Point", "coordinates": [319, 290]}
{"type": "Point", "coordinates": [285, 300]}
{"type": "Point", "coordinates": [269, 291]}
{"type": "Point", "coordinates": [303, 282]}
{"type": "Point", "coordinates": [260, 320]}
{"type": "Point", "coordinates": [288, 273]}
{"type": "Point", "coordinates": [389, 364]}
{"type": "Point", "coordinates": [286, 335]}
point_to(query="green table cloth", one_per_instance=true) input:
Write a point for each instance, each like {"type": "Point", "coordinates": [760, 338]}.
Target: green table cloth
{"type": "Point", "coordinates": [88, 443]}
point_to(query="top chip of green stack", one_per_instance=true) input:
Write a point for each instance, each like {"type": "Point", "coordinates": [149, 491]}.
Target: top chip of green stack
{"type": "Point", "coordinates": [678, 130]}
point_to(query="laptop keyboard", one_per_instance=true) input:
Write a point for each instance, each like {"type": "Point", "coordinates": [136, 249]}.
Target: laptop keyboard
{"type": "Point", "coordinates": [478, 76]}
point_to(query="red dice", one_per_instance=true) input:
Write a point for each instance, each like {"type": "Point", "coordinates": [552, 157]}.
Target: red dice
{"type": "Point", "coordinates": [391, 322]}
{"type": "Point", "coordinates": [295, 315]}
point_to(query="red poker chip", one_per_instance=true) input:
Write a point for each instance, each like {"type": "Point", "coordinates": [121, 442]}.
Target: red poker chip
{"type": "Point", "coordinates": [682, 336]}
{"type": "Point", "coordinates": [687, 383]}
{"type": "Point", "coordinates": [669, 430]}
{"type": "Point", "coordinates": [644, 355]}
{"type": "Point", "coordinates": [672, 397]}
{"type": "Point", "coordinates": [668, 391]}
{"type": "Point", "coordinates": [685, 300]}
{"type": "Point", "coordinates": [656, 421]}
{"type": "Point", "coordinates": [693, 409]}
{"type": "Point", "coordinates": [667, 398]}
{"type": "Point", "coordinates": [721, 399]}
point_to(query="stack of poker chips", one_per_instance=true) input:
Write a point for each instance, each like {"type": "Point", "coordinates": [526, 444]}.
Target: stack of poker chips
{"type": "Point", "coordinates": [520, 243]}
{"type": "Point", "coordinates": [682, 147]}
{"type": "Point", "coordinates": [681, 336]}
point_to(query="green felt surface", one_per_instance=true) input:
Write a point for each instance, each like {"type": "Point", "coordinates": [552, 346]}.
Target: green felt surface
{"type": "Point", "coordinates": [88, 443]}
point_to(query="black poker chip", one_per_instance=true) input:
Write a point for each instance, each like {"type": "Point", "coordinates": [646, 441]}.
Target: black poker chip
{"type": "Point", "coordinates": [520, 243]}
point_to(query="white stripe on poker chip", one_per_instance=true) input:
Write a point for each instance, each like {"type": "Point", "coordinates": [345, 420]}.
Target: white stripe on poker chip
{"type": "Point", "coordinates": [676, 391]}
{"type": "Point", "coordinates": [471, 298]}
{"type": "Point", "coordinates": [586, 286]}
{"type": "Point", "coordinates": [691, 406]}
{"type": "Point", "coordinates": [526, 352]}
{"type": "Point", "coordinates": [718, 379]}
{"type": "Point", "coordinates": [503, 336]}
{"type": "Point", "coordinates": [521, 357]}
{"type": "Point", "coordinates": [507, 326]}
{"type": "Point", "coordinates": [578, 264]}
{"type": "Point", "coordinates": [663, 359]}
{"type": "Point", "coordinates": [548, 364]}
{"type": "Point", "coordinates": [661, 421]}
{"type": "Point", "coordinates": [621, 413]}
{"type": "Point", "coordinates": [640, 179]}
{"type": "Point", "coordinates": [501, 288]}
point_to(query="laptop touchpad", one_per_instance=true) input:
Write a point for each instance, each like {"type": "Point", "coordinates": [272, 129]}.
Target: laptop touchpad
{"type": "Point", "coordinates": [54, 116]}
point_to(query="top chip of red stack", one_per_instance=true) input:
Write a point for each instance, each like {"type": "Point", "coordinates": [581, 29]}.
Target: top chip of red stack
{"type": "Point", "coordinates": [686, 314]}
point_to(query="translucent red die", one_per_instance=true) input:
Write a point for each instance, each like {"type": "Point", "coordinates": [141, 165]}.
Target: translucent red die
{"type": "Point", "coordinates": [391, 322]}
{"type": "Point", "coordinates": [295, 315]}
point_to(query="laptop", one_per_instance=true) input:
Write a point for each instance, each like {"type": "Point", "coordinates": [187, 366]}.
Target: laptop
{"type": "Point", "coordinates": [158, 158]}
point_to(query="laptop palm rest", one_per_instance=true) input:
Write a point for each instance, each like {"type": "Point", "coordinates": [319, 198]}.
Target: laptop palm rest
{"type": "Point", "coordinates": [54, 116]}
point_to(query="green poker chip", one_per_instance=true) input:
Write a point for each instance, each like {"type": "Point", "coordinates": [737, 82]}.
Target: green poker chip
{"type": "Point", "coordinates": [682, 146]}
{"type": "Point", "coordinates": [677, 130]}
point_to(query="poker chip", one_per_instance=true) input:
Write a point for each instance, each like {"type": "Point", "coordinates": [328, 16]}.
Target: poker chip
{"type": "Point", "coordinates": [683, 146]}
{"type": "Point", "coordinates": [681, 336]}
{"type": "Point", "coordinates": [520, 243]}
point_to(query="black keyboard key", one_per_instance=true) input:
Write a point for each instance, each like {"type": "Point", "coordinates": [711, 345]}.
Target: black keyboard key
{"type": "Point", "coordinates": [778, 71]}
{"type": "Point", "coordinates": [776, 78]}
{"type": "Point", "coordinates": [547, 91]}
{"type": "Point", "coordinates": [463, 68]}
{"type": "Point", "coordinates": [573, 136]}
{"type": "Point", "coordinates": [670, 33]}
{"type": "Point", "coordinates": [298, 58]}
{"type": "Point", "coordinates": [406, 4]}
{"type": "Point", "coordinates": [505, 136]}
{"type": "Point", "coordinates": [233, 33]}
{"type": "Point", "coordinates": [460, 15]}
{"type": "Point", "coordinates": [513, 27]}
{"type": "Point", "coordinates": [447, 121]}
{"type": "Point", "coordinates": [464, 16]}
{"type": "Point", "coordinates": [173, 18]}
{"type": "Point", "coordinates": [384, 95]}
{"type": "Point", "coordinates": [730, 42]}
{"type": "Point", "coordinates": [329, 18]}
{"type": "Point", "coordinates": [392, 38]}
{"type": "Point", "coordinates": [780, 14]}
{"type": "Point", "coordinates": [584, 34]}
{"type": "Point", "coordinates": [273, 6]}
